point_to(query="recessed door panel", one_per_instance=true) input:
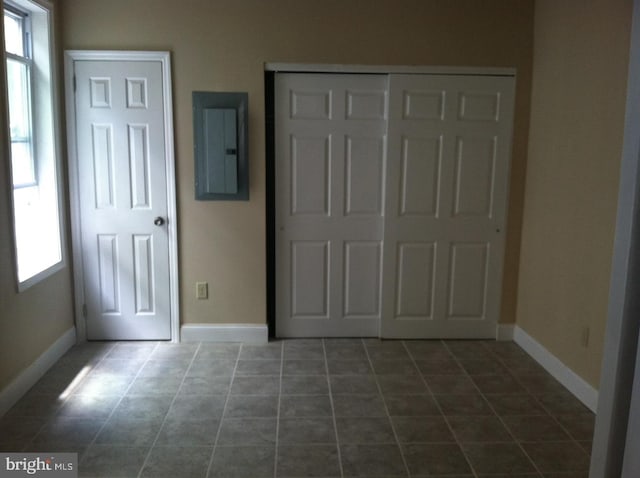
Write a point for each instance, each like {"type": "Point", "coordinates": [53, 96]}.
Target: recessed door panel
{"type": "Point", "coordinates": [479, 106]}
{"type": "Point", "coordinates": [424, 105]}
{"type": "Point", "coordinates": [474, 173]}
{"type": "Point", "coordinates": [109, 273]}
{"type": "Point", "coordinates": [414, 281]}
{"type": "Point", "coordinates": [468, 281]}
{"type": "Point", "coordinates": [364, 173]}
{"type": "Point", "coordinates": [420, 175]}
{"type": "Point", "coordinates": [103, 168]}
{"type": "Point", "coordinates": [310, 180]}
{"type": "Point", "coordinates": [139, 164]}
{"type": "Point", "coordinates": [310, 279]}
{"type": "Point", "coordinates": [362, 262]}
{"type": "Point", "coordinates": [366, 105]}
{"type": "Point", "coordinates": [310, 105]}
{"type": "Point", "coordinates": [143, 273]}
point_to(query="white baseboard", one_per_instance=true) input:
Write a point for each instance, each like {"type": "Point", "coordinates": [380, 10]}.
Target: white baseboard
{"type": "Point", "coordinates": [567, 377]}
{"type": "Point", "coordinates": [247, 333]}
{"type": "Point", "coordinates": [504, 332]}
{"type": "Point", "coordinates": [29, 376]}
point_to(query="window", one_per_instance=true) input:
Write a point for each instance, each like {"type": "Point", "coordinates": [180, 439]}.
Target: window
{"type": "Point", "coordinates": [34, 150]}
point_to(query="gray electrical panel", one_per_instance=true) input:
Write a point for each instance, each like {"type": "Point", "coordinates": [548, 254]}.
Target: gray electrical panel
{"type": "Point", "coordinates": [220, 146]}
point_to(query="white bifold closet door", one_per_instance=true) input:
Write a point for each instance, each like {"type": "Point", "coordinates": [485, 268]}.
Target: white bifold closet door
{"type": "Point", "coordinates": [390, 204]}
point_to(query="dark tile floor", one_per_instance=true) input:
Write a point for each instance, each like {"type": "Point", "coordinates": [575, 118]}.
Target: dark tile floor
{"type": "Point", "coordinates": [298, 408]}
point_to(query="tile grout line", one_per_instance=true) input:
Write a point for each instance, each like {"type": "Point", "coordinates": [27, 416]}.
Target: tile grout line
{"type": "Point", "coordinates": [333, 410]}
{"type": "Point", "coordinates": [164, 420]}
{"type": "Point", "coordinates": [275, 459]}
{"type": "Point", "coordinates": [442, 414]}
{"type": "Point", "coordinates": [224, 411]}
{"type": "Point", "coordinates": [386, 409]}
{"type": "Point", "coordinates": [494, 411]}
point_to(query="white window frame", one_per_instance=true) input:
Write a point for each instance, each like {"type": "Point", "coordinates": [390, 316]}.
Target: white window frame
{"type": "Point", "coordinates": [45, 121]}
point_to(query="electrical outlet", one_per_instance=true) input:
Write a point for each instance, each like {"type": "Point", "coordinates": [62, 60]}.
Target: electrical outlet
{"type": "Point", "coordinates": [584, 338]}
{"type": "Point", "coordinates": [202, 290]}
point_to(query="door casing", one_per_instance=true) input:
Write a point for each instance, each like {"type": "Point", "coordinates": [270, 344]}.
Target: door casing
{"type": "Point", "coordinates": [164, 58]}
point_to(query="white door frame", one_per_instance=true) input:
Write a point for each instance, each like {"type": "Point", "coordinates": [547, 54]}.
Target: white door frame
{"type": "Point", "coordinates": [163, 57]}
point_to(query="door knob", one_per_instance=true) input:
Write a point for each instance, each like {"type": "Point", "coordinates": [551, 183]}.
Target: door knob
{"type": "Point", "coordinates": [158, 221]}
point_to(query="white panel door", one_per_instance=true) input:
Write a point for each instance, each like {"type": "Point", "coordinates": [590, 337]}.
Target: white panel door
{"type": "Point", "coordinates": [120, 134]}
{"type": "Point", "coordinates": [449, 145]}
{"type": "Point", "coordinates": [330, 163]}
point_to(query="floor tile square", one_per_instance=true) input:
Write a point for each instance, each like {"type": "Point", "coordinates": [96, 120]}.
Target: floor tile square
{"type": "Point", "coordinates": [225, 351]}
{"type": "Point", "coordinates": [505, 458]}
{"type": "Point", "coordinates": [197, 407]}
{"type": "Point", "coordinates": [252, 406]}
{"type": "Point", "coordinates": [298, 431]}
{"type": "Point", "coordinates": [211, 385]}
{"type": "Point", "coordinates": [265, 385]}
{"type": "Point", "coordinates": [553, 457]}
{"type": "Point", "coordinates": [296, 406]}
{"type": "Point", "coordinates": [155, 386]}
{"type": "Point", "coordinates": [386, 349]}
{"type": "Point", "coordinates": [305, 385]}
{"type": "Point", "coordinates": [165, 368]}
{"type": "Point", "coordinates": [479, 429]}
{"type": "Point", "coordinates": [208, 367]}
{"type": "Point", "coordinates": [89, 406]}
{"type": "Point", "coordinates": [243, 462]}
{"type": "Point", "coordinates": [349, 367]}
{"type": "Point", "coordinates": [515, 404]}
{"type": "Point", "coordinates": [258, 367]}
{"type": "Point", "coordinates": [397, 384]}
{"type": "Point", "coordinates": [247, 431]}
{"type": "Point", "coordinates": [345, 349]}
{"type": "Point", "coordinates": [303, 349]}
{"type": "Point", "coordinates": [468, 404]}
{"type": "Point", "coordinates": [69, 431]}
{"type": "Point", "coordinates": [445, 366]}
{"type": "Point", "coordinates": [372, 460]}
{"type": "Point", "coordinates": [129, 432]}
{"type": "Point", "coordinates": [143, 407]}
{"type": "Point", "coordinates": [502, 383]}
{"type": "Point", "coordinates": [188, 433]}
{"type": "Point", "coordinates": [177, 461]}
{"type": "Point", "coordinates": [110, 461]}
{"type": "Point", "coordinates": [270, 351]}
{"type": "Point", "coordinates": [450, 384]}
{"type": "Point", "coordinates": [304, 367]}
{"type": "Point", "coordinates": [364, 430]}
{"type": "Point", "coordinates": [535, 428]}
{"type": "Point", "coordinates": [359, 406]}
{"type": "Point", "coordinates": [428, 350]}
{"type": "Point", "coordinates": [411, 405]}
{"type": "Point", "coordinates": [435, 459]}
{"type": "Point", "coordinates": [431, 429]}
{"type": "Point", "coordinates": [394, 367]}
{"type": "Point", "coordinates": [341, 384]}
{"type": "Point", "coordinates": [309, 461]}
{"type": "Point", "coordinates": [580, 426]}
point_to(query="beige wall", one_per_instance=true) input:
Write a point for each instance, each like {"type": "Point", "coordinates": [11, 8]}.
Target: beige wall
{"type": "Point", "coordinates": [575, 143]}
{"type": "Point", "coordinates": [222, 45]}
{"type": "Point", "coordinates": [31, 321]}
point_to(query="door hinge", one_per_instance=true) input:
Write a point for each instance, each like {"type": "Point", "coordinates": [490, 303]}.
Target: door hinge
{"type": "Point", "coordinates": [84, 310]}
